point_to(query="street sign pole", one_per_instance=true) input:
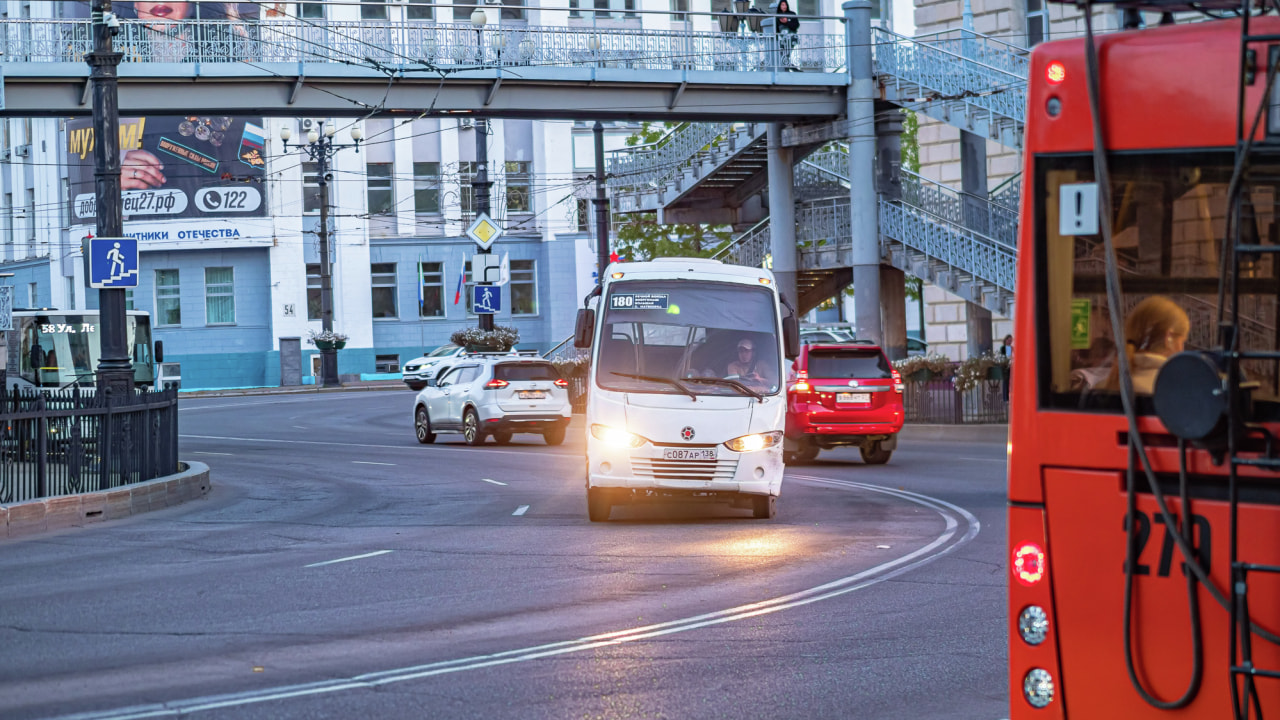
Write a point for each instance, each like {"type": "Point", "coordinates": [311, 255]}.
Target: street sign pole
{"type": "Point", "coordinates": [115, 371]}
{"type": "Point", "coordinates": [480, 191]}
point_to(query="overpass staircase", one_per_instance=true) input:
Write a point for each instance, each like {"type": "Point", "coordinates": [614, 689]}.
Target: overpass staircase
{"type": "Point", "coordinates": [964, 243]}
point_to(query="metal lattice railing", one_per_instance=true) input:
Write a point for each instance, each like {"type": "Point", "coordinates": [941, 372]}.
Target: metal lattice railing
{"type": "Point", "coordinates": [647, 166]}
{"type": "Point", "coordinates": [418, 44]}
{"type": "Point", "coordinates": [977, 214]}
{"type": "Point", "coordinates": [958, 65]}
{"type": "Point", "coordinates": [751, 248]}
{"type": "Point", "coordinates": [969, 252]}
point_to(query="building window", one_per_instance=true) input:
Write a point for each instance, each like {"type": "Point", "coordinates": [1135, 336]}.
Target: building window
{"type": "Point", "coordinates": [1037, 23]}
{"type": "Point", "coordinates": [71, 293]}
{"type": "Point", "coordinates": [462, 13]}
{"type": "Point", "coordinates": [678, 7]}
{"type": "Point", "coordinates": [430, 289]}
{"type": "Point", "coordinates": [524, 288]}
{"type": "Point", "coordinates": [311, 10]}
{"type": "Point", "coordinates": [219, 296]}
{"type": "Point", "coordinates": [575, 11]}
{"type": "Point", "coordinates": [513, 10]}
{"type": "Point", "coordinates": [168, 305]}
{"type": "Point", "coordinates": [584, 214]}
{"type": "Point", "coordinates": [426, 187]}
{"type": "Point", "coordinates": [128, 299]}
{"type": "Point", "coordinates": [311, 196]}
{"type": "Point", "coordinates": [313, 291]}
{"type": "Point", "coordinates": [378, 182]}
{"type": "Point", "coordinates": [31, 215]}
{"type": "Point", "coordinates": [33, 295]}
{"type": "Point", "coordinates": [518, 186]}
{"type": "Point", "coordinates": [418, 11]}
{"type": "Point", "coordinates": [8, 217]}
{"type": "Point", "coordinates": [466, 193]}
{"type": "Point", "coordinates": [373, 10]}
{"type": "Point", "coordinates": [386, 363]}
{"type": "Point", "coordinates": [66, 206]}
{"type": "Point", "coordinates": [384, 289]}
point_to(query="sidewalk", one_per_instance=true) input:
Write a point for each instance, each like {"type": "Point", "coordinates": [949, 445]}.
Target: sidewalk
{"type": "Point", "coordinates": [297, 389]}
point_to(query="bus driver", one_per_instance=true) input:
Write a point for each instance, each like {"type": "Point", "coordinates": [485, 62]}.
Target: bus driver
{"type": "Point", "coordinates": [746, 369]}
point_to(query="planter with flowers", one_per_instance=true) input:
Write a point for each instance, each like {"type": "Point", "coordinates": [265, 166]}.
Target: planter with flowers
{"type": "Point", "coordinates": [922, 368]}
{"type": "Point", "coordinates": [327, 340]}
{"type": "Point", "coordinates": [979, 368]}
{"type": "Point", "coordinates": [500, 339]}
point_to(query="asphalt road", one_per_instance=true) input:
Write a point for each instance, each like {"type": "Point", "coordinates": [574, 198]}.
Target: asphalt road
{"type": "Point", "coordinates": [338, 569]}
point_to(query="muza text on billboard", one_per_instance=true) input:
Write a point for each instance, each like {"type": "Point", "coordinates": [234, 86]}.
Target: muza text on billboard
{"type": "Point", "coordinates": [175, 167]}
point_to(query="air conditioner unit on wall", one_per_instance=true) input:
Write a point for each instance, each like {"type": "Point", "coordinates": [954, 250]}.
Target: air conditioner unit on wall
{"type": "Point", "coordinates": [308, 124]}
{"type": "Point", "coordinates": [22, 151]}
{"type": "Point", "coordinates": [466, 123]}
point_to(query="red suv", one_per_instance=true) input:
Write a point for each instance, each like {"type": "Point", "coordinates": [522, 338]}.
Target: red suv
{"type": "Point", "coordinates": [845, 394]}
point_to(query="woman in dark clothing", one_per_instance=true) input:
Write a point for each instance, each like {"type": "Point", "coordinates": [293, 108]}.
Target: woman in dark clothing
{"type": "Point", "coordinates": [787, 27]}
{"type": "Point", "coordinates": [1007, 350]}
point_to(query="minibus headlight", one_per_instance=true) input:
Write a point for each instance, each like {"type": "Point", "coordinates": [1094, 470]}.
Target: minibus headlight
{"type": "Point", "coordinates": [616, 437]}
{"type": "Point", "coordinates": [758, 441]}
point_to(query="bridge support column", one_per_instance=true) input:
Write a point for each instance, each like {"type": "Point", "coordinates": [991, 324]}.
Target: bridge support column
{"type": "Point", "coordinates": [863, 208]}
{"type": "Point", "coordinates": [977, 329]}
{"type": "Point", "coordinates": [782, 216]}
{"type": "Point", "coordinates": [893, 293]}
{"type": "Point", "coordinates": [973, 181]}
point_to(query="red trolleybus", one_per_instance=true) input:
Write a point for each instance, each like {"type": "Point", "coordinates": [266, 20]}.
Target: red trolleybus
{"type": "Point", "coordinates": [1144, 472]}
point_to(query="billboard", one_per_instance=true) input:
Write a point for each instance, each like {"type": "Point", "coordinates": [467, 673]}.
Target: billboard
{"type": "Point", "coordinates": [171, 11]}
{"type": "Point", "coordinates": [175, 167]}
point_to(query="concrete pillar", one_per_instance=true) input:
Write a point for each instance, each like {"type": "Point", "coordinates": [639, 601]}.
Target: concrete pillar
{"type": "Point", "coordinates": [978, 329]}
{"type": "Point", "coordinates": [782, 215]}
{"type": "Point", "coordinates": [973, 181]}
{"type": "Point", "coordinates": [893, 296]}
{"type": "Point", "coordinates": [863, 209]}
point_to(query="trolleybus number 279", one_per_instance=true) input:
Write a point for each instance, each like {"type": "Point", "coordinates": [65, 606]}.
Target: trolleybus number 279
{"type": "Point", "coordinates": [1201, 543]}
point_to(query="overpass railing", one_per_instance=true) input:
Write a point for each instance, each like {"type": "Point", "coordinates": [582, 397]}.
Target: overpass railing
{"type": "Point", "coordinates": [422, 45]}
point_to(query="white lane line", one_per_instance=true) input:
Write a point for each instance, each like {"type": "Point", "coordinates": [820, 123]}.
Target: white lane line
{"type": "Point", "coordinates": [206, 452]}
{"type": "Point", "coordinates": [299, 427]}
{"type": "Point", "coordinates": [370, 462]}
{"type": "Point", "coordinates": [521, 510]}
{"type": "Point", "coordinates": [944, 544]}
{"type": "Point", "coordinates": [495, 482]}
{"type": "Point", "coordinates": [353, 557]}
{"type": "Point", "coordinates": [414, 448]}
{"type": "Point", "coordinates": [1002, 461]}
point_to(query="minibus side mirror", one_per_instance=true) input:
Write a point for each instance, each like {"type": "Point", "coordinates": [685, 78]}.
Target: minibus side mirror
{"type": "Point", "coordinates": [791, 336]}
{"type": "Point", "coordinates": [159, 351]}
{"type": "Point", "coordinates": [585, 329]}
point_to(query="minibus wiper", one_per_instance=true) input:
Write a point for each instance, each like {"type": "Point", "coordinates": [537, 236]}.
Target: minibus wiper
{"type": "Point", "coordinates": [730, 383]}
{"type": "Point", "coordinates": [654, 378]}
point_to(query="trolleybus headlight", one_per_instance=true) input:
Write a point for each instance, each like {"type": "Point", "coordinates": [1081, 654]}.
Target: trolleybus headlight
{"type": "Point", "coordinates": [1037, 687]}
{"type": "Point", "coordinates": [758, 441]}
{"type": "Point", "coordinates": [616, 437]}
{"type": "Point", "coordinates": [1033, 624]}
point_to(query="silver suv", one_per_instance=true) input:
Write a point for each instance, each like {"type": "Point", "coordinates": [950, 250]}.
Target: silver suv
{"type": "Point", "coordinates": [495, 394]}
{"type": "Point", "coordinates": [419, 372]}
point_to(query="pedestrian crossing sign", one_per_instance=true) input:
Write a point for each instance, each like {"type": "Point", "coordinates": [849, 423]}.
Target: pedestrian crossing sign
{"type": "Point", "coordinates": [113, 262]}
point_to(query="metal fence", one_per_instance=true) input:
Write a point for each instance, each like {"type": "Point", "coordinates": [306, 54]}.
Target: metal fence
{"type": "Point", "coordinates": [938, 401]}
{"type": "Point", "coordinates": [62, 443]}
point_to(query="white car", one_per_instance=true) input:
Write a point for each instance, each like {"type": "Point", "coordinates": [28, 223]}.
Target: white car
{"type": "Point", "coordinates": [419, 372]}
{"type": "Point", "coordinates": [495, 394]}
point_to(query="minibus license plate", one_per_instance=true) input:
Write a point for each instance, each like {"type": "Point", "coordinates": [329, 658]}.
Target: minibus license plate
{"type": "Point", "coordinates": [853, 397]}
{"type": "Point", "coordinates": [682, 454]}
{"type": "Point", "coordinates": [531, 395]}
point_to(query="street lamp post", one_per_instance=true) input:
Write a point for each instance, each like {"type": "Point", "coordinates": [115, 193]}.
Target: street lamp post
{"type": "Point", "coordinates": [320, 148]}
{"type": "Point", "coordinates": [480, 183]}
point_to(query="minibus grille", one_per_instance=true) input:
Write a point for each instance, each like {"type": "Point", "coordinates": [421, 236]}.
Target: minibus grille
{"type": "Point", "coordinates": [660, 469]}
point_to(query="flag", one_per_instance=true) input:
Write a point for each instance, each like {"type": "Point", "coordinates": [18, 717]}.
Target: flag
{"type": "Point", "coordinates": [420, 283]}
{"type": "Point", "coordinates": [504, 270]}
{"type": "Point", "coordinates": [462, 279]}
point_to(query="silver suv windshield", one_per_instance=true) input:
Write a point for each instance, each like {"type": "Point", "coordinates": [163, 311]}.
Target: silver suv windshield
{"type": "Point", "coordinates": [656, 331]}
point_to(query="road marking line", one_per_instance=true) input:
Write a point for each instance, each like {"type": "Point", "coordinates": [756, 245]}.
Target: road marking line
{"type": "Point", "coordinates": [944, 544]}
{"type": "Point", "coordinates": [206, 452]}
{"type": "Point", "coordinates": [299, 427]}
{"type": "Point", "coordinates": [521, 510]}
{"type": "Point", "coordinates": [1002, 461]}
{"type": "Point", "coordinates": [413, 448]}
{"type": "Point", "coordinates": [370, 462]}
{"type": "Point", "coordinates": [353, 557]}
{"type": "Point", "coordinates": [495, 482]}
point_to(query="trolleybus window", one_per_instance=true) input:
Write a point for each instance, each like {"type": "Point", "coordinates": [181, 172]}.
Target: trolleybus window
{"type": "Point", "coordinates": [1170, 218]}
{"type": "Point", "coordinates": [655, 331]}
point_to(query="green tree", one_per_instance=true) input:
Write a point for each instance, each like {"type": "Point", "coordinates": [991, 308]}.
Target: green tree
{"type": "Point", "coordinates": [641, 237]}
{"type": "Point", "coordinates": [910, 141]}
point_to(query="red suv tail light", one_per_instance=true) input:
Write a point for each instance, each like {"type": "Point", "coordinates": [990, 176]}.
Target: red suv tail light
{"type": "Point", "coordinates": [898, 385]}
{"type": "Point", "coordinates": [495, 384]}
{"type": "Point", "coordinates": [562, 383]}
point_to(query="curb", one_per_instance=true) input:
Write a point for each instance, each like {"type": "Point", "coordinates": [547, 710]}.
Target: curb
{"type": "Point", "coordinates": [65, 511]}
{"type": "Point", "coordinates": [290, 390]}
{"type": "Point", "coordinates": [995, 433]}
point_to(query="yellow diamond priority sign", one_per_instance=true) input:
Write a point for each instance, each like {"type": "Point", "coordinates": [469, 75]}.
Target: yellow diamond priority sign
{"type": "Point", "coordinates": [484, 231]}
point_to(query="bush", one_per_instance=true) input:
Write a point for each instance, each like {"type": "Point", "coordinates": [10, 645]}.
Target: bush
{"type": "Point", "coordinates": [500, 339]}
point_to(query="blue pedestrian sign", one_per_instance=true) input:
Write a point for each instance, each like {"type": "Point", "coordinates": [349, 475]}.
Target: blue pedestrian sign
{"type": "Point", "coordinates": [113, 262]}
{"type": "Point", "coordinates": [486, 299]}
